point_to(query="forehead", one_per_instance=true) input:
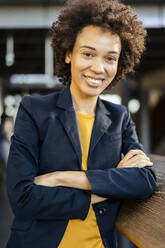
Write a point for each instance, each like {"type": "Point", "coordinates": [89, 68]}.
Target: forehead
{"type": "Point", "coordinates": [98, 37]}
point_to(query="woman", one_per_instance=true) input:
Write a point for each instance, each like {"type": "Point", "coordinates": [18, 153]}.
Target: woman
{"type": "Point", "coordinates": [66, 173]}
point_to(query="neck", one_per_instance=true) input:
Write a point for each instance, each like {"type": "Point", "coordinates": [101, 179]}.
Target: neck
{"type": "Point", "coordinates": [84, 104]}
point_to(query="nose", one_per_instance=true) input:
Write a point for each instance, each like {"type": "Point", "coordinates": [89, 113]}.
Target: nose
{"type": "Point", "coordinates": [97, 66]}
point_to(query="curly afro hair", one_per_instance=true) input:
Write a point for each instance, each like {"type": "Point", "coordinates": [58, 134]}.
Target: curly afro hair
{"type": "Point", "coordinates": [110, 14]}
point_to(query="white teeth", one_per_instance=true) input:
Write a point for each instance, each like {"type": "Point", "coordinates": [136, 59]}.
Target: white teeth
{"type": "Point", "coordinates": [95, 81]}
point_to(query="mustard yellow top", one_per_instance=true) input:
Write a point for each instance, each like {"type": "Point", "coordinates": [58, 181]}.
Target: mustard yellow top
{"type": "Point", "coordinates": [79, 233]}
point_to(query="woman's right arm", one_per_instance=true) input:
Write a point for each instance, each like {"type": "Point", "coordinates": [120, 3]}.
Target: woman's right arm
{"type": "Point", "coordinates": [27, 199]}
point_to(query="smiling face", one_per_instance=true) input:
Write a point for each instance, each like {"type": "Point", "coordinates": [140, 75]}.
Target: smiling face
{"type": "Point", "coordinates": [94, 61]}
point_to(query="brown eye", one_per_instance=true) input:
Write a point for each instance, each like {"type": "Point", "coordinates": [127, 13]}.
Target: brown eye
{"type": "Point", "coordinates": [87, 54]}
{"type": "Point", "coordinates": [110, 58]}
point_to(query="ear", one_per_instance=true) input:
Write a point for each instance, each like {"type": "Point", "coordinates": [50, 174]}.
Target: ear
{"type": "Point", "coordinates": [68, 57]}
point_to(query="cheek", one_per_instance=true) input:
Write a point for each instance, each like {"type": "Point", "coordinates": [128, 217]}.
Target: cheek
{"type": "Point", "coordinates": [78, 66]}
{"type": "Point", "coordinates": [112, 70]}
{"type": "Point", "coordinates": [74, 70]}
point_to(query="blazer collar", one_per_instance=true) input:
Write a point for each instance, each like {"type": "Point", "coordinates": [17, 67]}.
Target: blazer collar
{"type": "Point", "coordinates": [101, 124]}
{"type": "Point", "coordinates": [65, 99]}
{"type": "Point", "coordinates": [69, 121]}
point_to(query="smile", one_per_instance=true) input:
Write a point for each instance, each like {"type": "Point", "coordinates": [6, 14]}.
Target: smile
{"type": "Point", "coordinates": [93, 81]}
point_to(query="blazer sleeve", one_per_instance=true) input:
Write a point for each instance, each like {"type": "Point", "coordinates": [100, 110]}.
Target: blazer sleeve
{"type": "Point", "coordinates": [124, 183]}
{"type": "Point", "coordinates": [27, 199]}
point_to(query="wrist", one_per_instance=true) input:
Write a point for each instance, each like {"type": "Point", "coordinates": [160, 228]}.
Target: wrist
{"type": "Point", "coordinates": [64, 178]}
{"type": "Point", "coordinates": [50, 179]}
{"type": "Point", "coordinates": [73, 179]}
{"type": "Point", "coordinates": [56, 178]}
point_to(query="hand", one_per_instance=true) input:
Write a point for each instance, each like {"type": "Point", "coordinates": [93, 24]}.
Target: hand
{"type": "Point", "coordinates": [97, 198]}
{"type": "Point", "coordinates": [134, 158]}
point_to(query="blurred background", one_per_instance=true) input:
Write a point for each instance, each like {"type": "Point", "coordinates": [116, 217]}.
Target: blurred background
{"type": "Point", "coordinates": [27, 66]}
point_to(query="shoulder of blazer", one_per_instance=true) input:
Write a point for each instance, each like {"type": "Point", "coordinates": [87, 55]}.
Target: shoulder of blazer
{"type": "Point", "coordinates": [39, 102]}
{"type": "Point", "coordinates": [40, 105]}
{"type": "Point", "coordinates": [119, 114]}
{"type": "Point", "coordinates": [115, 109]}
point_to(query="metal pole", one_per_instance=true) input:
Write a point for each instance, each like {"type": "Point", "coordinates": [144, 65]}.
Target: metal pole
{"type": "Point", "coordinates": [49, 58]}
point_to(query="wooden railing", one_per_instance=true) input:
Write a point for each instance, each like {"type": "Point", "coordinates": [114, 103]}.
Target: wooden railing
{"type": "Point", "coordinates": [143, 223]}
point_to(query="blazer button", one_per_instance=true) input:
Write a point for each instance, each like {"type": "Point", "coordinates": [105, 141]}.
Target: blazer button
{"type": "Point", "coordinates": [102, 211]}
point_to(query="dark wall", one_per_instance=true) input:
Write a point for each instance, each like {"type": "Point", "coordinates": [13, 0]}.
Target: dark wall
{"type": "Point", "coordinates": [31, 2]}
{"type": "Point", "coordinates": [61, 2]}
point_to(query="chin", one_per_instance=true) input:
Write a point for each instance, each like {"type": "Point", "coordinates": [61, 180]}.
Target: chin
{"type": "Point", "coordinates": [92, 92]}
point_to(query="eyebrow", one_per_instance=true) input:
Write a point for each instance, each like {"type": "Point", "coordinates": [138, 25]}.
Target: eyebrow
{"type": "Point", "coordinates": [92, 48]}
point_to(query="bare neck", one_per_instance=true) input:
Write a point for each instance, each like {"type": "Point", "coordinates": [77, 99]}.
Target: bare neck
{"type": "Point", "coordinates": [84, 104]}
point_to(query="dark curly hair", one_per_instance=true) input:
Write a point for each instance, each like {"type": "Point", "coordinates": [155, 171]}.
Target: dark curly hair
{"type": "Point", "coordinates": [109, 14]}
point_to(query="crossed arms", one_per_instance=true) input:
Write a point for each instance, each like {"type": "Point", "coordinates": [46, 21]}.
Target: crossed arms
{"type": "Point", "coordinates": [79, 180]}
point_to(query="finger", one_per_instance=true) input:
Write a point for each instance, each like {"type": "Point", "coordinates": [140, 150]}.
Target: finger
{"type": "Point", "coordinates": [134, 162]}
{"type": "Point", "coordinates": [137, 158]}
{"type": "Point", "coordinates": [141, 164]}
{"type": "Point", "coordinates": [132, 153]}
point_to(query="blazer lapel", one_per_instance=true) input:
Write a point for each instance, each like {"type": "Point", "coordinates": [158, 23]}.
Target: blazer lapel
{"type": "Point", "coordinates": [101, 124]}
{"type": "Point", "coordinates": [68, 119]}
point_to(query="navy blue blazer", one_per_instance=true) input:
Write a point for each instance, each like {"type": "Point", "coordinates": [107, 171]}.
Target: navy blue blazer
{"type": "Point", "coordinates": [45, 140]}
